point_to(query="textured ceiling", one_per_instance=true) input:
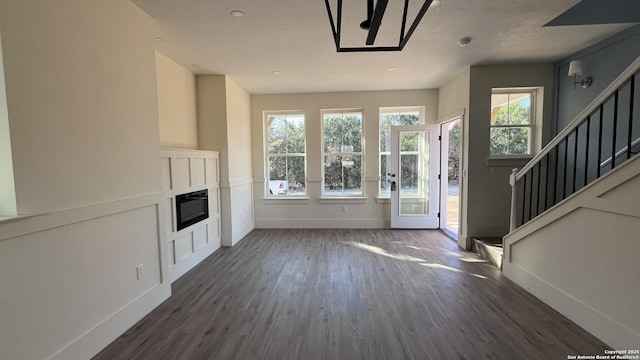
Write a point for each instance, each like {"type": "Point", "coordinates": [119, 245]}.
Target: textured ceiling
{"type": "Point", "coordinates": [293, 37]}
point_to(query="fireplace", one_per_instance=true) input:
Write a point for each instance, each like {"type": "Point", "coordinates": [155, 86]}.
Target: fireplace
{"type": "Point", "coordinates": [191, 208]}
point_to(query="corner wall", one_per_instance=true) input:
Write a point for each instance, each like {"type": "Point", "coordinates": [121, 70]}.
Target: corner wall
{"type": "Point", "coordinates": [176, 104]}
{"type": "Point", "coordinates": [224, 125]}
{"type": "Point", "coordinates": [489, 193]}
{"type": "Point", "coordinates": [453, 100]}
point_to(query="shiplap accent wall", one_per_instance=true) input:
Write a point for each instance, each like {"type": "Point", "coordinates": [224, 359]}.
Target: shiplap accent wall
{"type": "Point", "coordinates": [184, 171]}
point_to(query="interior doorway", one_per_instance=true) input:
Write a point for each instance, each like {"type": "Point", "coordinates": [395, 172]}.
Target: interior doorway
{"type": "Point", "coordinates": [450, 172]}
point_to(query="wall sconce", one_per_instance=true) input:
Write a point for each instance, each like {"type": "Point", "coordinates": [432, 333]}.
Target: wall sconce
{"type": "Point", "coordinates": [575, 69]}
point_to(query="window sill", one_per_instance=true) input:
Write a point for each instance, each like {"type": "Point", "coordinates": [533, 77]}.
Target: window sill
{"type": "Point", "coordinates": [342, 200]}
{"type": "Point", "coordinates": [383, 200]}
{"type": "Point", "coordinates": [508, 161]}
{"type": "Point", "coordinates": [285, 200]}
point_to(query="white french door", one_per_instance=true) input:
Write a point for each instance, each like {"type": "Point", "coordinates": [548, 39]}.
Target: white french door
{"type": "Point", "coordinates": [415, 156]}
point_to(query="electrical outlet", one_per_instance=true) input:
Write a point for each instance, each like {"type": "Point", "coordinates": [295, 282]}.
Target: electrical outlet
{"type": "Point", "coordinates": [344, 208]}
{"type": "Point", "coordinates": [140, 271]}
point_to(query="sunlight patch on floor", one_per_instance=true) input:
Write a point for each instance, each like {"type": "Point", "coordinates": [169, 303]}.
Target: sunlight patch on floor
{"type": "Point", "coordinates": [385, 253]}
{"type": "Point", "coordinates": [468, 258]}
{"type": "Point", "coordinates": [449, 268]}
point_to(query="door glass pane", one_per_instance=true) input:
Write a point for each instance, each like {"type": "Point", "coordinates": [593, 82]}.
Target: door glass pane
{"type": "Point", "coordinates": [413, 181]}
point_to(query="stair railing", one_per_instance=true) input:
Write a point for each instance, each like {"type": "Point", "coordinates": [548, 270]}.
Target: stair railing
{"type": "Point", "coordinates": [603, 136]}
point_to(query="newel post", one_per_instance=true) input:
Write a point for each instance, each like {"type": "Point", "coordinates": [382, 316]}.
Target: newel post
{"type": "Point", "coordinates": [514, 200]}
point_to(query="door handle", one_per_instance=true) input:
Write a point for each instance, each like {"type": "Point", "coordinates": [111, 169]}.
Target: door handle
{"type": "Point", "coordinates": [393, 186]}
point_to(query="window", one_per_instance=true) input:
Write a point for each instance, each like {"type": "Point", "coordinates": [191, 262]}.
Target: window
{"type": "Point", "coordinates": [512, 122]}
{"type": "Point", "coordinates": [285, 154]}
{"type": "Point", "coordinates": [391, 117]}
{"type": "Point", "coordinates": [342, 153]}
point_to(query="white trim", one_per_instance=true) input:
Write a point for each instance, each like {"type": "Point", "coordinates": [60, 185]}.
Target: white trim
{"type": "Point", "coordinates": [322, 223]}
{"type": "Point", "coordinates": [383, 200]}
{"type": "Point", "coordinates": [97, 338]}
{"type": "Point", "coordinates": [342, 200]}
{"type": "Point", "coordinates": [360, 153]}
{"type": "Point", "coordinates": [593, 198]}
{"type": "Point", "coordinates": [265, 145]}
{"type": "Point", "coordinates": [285, 200]}
{"type": "Point", "coordinates": [238, 234]}
{"type": "Point", "coordinates": [592, 320]}
{"type": "Point", "coordinates": [233, 183]}
{"type": "Point", "coordinates": [35, 223]}
{"type": "Point", "coordinates": [451, 116]}
{"type": "Point", "coordinates": [104, 332]}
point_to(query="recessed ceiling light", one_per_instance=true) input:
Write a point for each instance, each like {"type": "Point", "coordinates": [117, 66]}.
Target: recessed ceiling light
{"type": "Point", "coordinates": [276, 72]}
{"type": "Point", "coordinates": [157, 38]}
{"type": "Point", "coordinates": [392, 68]}
{"type": "Point", "coordinates": [434, 3]}
{"type": "Point", "coordinates": [238, 14]}
{"type": "Point", "coordinates": [464, 41]}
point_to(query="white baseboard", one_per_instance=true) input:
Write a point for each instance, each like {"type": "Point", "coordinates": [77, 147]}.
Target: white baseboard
{"type": "Point", "coordinates": [238, 234]}
{"type": "Point", "coordinates": [603, 327]}
{"type": "Point", "coordinates": [316, 223]}
{"type": "Point", "coordinates": [96, 339]}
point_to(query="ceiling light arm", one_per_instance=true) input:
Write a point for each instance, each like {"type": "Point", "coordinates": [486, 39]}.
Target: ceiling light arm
{"type": "Point", "coordinates": [376, 20]}
{"type": "Point", "coordinates": [413, 27]}
{"type": "Point", "coordinates": [336, 34]}
{"type": "Point", "coordinates": [404, 20]}
{"type": "Point", "coordinates": [369, 10]}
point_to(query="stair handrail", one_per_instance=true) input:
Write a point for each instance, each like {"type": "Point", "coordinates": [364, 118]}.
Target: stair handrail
{"type": "Point", "coordinates": [635, 65]}
{"type": "Point", "coordinates": [577, 121]}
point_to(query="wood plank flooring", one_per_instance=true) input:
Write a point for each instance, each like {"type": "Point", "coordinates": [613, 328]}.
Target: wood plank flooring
{"type": "Point", "coordinates": [349, 294]}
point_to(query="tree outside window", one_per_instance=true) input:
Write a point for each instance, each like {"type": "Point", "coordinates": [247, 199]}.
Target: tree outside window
{"type": "Point", "coordinates": [285, 153]}
{"type": "Point", "coordinates": [393, 117]}
{"type": "Point", "coordinates": [511, 123]}
{"type": "Point", "coordinates": [342, 153]}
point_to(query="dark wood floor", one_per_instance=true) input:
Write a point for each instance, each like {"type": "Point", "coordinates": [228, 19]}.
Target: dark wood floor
{"type": "Point", "coordinates": [349, 294]}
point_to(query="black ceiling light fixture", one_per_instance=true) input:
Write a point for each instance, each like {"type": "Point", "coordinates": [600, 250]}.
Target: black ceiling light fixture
{"type": "Point", "coordinates": [375, 13]}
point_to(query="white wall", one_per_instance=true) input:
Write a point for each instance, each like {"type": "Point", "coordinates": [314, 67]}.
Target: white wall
{"type": "Point", "coordinates": [81, 97]}
{"type": "Point", "coordinates": [316, 213]}
{"type": "Point", "coordinates": [7, 186]}
{"type": "Point", "coordinates": [453, 100]}
{"type": "Point", "coordinates": [224, 125]}
{"type": "Point", "coordinates": [581, 257]}
{"type": "Point", "coordinates": [176, 104]}
{"type": "Point", "coordinates": [489, 193]}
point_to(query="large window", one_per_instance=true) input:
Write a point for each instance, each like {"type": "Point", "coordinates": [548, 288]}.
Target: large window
{"type": "Point", "coordinates": [391, 117]}
{"type": "Point", "coordinates": [342, 153]}
{"type": "Point", "coordinates": [285, 154]}
{"type": "Point", "coordinates": [512, 117]}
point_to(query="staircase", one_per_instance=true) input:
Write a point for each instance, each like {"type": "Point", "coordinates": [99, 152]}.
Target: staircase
{"type": "Point", "coordinates": [575, 218]}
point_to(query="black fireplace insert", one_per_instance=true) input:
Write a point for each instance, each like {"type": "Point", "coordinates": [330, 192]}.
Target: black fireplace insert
{"type": "Point", "coordinates": [191, 208]}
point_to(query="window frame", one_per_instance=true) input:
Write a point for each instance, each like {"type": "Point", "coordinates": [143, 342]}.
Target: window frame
{"type": "Point", "coordinates": [532, 126]}
{"type": "Point", "coordinates": [267, 155]}
{"type": "Point", "coordinates": [392, 110]}
{"type": "Point", "coordinates": [361, 153]}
